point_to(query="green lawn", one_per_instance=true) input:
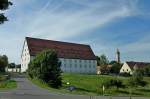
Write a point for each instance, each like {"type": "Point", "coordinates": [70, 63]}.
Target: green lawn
{"type": "Point", "coordinates": [91, 85]}
{"type": "Point", "coordinates": [6, 83]}
{"type": "Point", "coordinates": [9, 84]}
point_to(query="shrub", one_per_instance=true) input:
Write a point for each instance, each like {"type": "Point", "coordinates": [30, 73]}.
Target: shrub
{"type": "Point", "coordinates": [146, 71]}
{"type": "Point", "coordinates": [46, 66]}
{"type": "Point", "coordinates": [113, 83]}
{"type": "Point", "coordinates": [137, 79]}
{"type": "Point", "coordinates": [115, 69]}
{"type": "Point", "coordinates": [3, 85]}
{"type": "Point", "coordinates": [125, 74]}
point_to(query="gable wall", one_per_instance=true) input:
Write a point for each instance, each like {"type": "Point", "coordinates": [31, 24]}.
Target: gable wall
{"type": "Point", "coordinates": [125, 69]}
{"type": "Point", "coordinates": [25, 57]}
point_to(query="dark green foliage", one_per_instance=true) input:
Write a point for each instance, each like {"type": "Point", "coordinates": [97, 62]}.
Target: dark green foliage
{"type": "Point", "coordinates": [2, 18]}
{"type": "Point", "coordinates": [46, 67]}
{"type": "Point", "coordinates": [3, 63]}
{"type": "Point", "coordinates": [137, 79]}
{"type": "Point", "coordinates": [98, 60]}
{"type": "Point", "coordinates": [18, 66]}
{"type": "Point", "coordinates": [115, 69]}
{"type": "Point", "coordinates": [103, 62]}
{"type": "Point", "coordinates": [135, 82]}
{"type": "Point", "coordinates": [11, 65]}
{"type": "Point", "coordinates": [4, 4]}
{"type": "Point", "coordinates": [125, 74]}
{"type": "Point", "coordinates": [146, 71]}
{"type": "Point", "coordinates": [113, 62]}
{"type": "Point", "coordinates": [114, 83]}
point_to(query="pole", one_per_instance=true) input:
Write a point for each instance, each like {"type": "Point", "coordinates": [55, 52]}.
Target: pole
{"type": "Point", "coordinates": [103, 89]}
{"type": "Point", "coordinates": [130, 94]}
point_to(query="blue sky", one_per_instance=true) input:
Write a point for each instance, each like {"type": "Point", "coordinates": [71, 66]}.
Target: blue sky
{"type": "Point", "coordinates": [104, 24]}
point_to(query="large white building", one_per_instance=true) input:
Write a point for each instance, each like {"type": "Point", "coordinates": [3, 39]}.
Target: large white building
{"type": "Point", "coordinates": [75, 58]}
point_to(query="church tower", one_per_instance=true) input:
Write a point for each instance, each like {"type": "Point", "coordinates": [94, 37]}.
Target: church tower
{"type": "Point", "coordinates": [118, 56]}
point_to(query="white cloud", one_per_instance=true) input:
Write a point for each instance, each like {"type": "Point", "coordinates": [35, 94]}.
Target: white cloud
{"type": "Point", "coordinates": [53, 22]}
{"type": "Point", "coordinates": [67, 24]}
{"type": "Point", "coordinates": [138, 46]}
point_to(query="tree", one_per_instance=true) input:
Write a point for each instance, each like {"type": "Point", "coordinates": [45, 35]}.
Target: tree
{"type": "Point", "coordinates": [146, 70]}
{"type": "Point", "coordinates": [46, 67]}
{"type": "Point", "coordinates": [115, 67]}
{"type": "Point", "coordinates": [114, 83]}
{"type": "Point", "coordinates": [98, 60]}
{"type": "Point", "coordinates": [3, 63]}
{"type": "Point", "coordinates": [137, 79]}
{"type": "Point", "coordinates": [18, 67]}
{"type": "Point", "coordinates": [12, 66]}
{"type": "Point", "coordinates": [103, 62]}
{"type": "Point", "coordinates": [4, 5]}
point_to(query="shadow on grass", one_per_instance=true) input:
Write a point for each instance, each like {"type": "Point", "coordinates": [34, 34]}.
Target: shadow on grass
{"type": "Point", "coordinates": [144, 90]}
{"type": "Point", "coordinates": [122, 91]}
{"type": "Point", "coordinates": [82, 89]}
{"type": "Point", "coordinates": [127, 92]}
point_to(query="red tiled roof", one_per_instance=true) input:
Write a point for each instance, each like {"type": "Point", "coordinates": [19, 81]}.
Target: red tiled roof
{"type": "Point", "coordinates": [138, 64]}
{"type": "Point", "coordinates": [63, 49]}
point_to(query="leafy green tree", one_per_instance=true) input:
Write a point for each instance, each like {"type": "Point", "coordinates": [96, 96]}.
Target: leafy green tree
{"type": "Point", "coordinates": [137, 79]}
{"type": "Point", "coordinates": [103, 62]}
{"type": "Point", "coordinates": [98, 60]}
{"type": "Point", "coordinates": [146, 70]}
{"type": "Point", "coordinates": [18, 66]}
{"type": "Point", "coordinates": [12, 66]}
{"type": "Point", "coordinates": [46, 66]}
{"type": "Point", "coordinates": [2, 66]}
{"type": "Point", "coordinates": [115, 67]}
{"type": "Point", "coordinates": [4, 4]}
{"type": "Point", "coordinates": [3, 63]}
{"type": "Point", "coordinates": [113, 62]}
{"type": "Point", "coordinates": [113, 83]}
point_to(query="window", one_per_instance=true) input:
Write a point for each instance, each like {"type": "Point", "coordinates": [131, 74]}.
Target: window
{"type": "Point", "coordinates": [80, 66]}
{"type": "Point", "coordinates": [123, 69]}
{"type": "Point", "coordinates": [71, 60]}
{"type": "Point", "coordinates": [80, 61]}
{"type": "Point", "coordinates": [89, 61]}
{"type": "Point", "coordinates": [64, 60]}
{"type": "Point", "coordinates": [75, 65]}
{"type": "Point", "coordinates": [85, 61]}
{"type": "Point", "coordinates": [127, 69]}
{"type": "Point", "coordinates": [75, 60]}
{"type": "Point", "coordinates": [89, 66]}
{"type": "Point", "coordinates": [64, 65]}
{"type": "Point", "coordinates": [70, 64]}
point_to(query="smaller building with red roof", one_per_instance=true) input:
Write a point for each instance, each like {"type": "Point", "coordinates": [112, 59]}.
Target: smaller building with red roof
{"type": "Point", "coordinates": [128, 67]}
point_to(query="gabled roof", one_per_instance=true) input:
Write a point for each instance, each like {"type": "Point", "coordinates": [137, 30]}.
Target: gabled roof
{"type": "Point", "coordinates": [131, 64]}
{"type": "Point", "coordinates": [63, 49]}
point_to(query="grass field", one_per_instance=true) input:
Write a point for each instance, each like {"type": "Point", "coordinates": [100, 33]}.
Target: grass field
{"type": "Point", "coordinates": [91, 85]}
{"type": "Point", "coordinates": [6, 83]}
{"type": "Point", "coordinates": [9, 84]}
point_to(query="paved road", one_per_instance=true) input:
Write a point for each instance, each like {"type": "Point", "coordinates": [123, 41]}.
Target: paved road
{"type": "Point", "coordinates": [27, 90]}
